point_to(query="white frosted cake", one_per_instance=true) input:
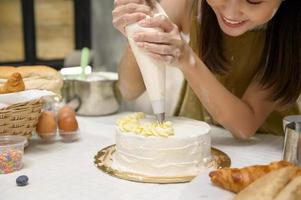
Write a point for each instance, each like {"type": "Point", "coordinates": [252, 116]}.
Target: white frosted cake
{"type": "Point", "coordinates": [179, 147]}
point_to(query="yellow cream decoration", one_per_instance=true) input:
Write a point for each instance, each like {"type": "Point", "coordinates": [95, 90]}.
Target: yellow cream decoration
{"type": "Point", "coordinates": [131, 123]}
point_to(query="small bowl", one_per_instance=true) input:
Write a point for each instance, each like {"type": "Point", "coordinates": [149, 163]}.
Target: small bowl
{"type": "Point", "coordinates": [69, 136]}
{"type": "Point", "coordinates": [11, 153]}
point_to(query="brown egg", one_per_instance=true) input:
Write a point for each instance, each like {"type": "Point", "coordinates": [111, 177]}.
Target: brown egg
{"type": "Point", "coordinates": [66, 111]}
{"type": "Point", "coordinates": [47, 123]}
{"type": "Point", "coordinates": [68, 124]}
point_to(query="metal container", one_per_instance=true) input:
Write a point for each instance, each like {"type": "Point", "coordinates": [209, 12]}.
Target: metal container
{"type": "Point", "coordinates": [93, 96]}
{"type": "Point", "coordinates": [292, 140]}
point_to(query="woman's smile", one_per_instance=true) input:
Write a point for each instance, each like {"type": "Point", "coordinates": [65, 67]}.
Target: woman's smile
{"type": "Point", "coordinates": [232, 26]}
{"type": "Point", "coordinates": [233, 23]}
{"type": "Point", "coordinates": [235, 17]}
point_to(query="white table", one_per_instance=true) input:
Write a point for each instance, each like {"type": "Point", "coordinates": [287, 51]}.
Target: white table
{"type": "Point", "coordinates": [66, 170]}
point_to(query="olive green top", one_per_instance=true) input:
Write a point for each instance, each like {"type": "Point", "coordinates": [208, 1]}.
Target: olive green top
{"type": "Point", "coordinates": [243, 55]}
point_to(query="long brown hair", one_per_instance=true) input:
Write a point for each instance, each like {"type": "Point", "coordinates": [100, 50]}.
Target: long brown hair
{"type": "Point", "coordinates": [280, 68]}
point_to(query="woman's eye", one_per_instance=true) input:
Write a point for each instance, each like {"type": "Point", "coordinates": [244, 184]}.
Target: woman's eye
{"type": "Point", "coordinates": [255, 2]}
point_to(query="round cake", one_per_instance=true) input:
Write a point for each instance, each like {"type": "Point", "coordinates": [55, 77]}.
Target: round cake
{"type": "Point", "coordinates": [178, 147]}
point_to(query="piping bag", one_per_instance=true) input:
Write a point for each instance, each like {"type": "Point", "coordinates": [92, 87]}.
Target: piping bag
{"type": "Point", "coordinates": [153, 71]}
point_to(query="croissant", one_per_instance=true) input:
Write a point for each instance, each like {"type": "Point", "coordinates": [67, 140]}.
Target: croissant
{"type": "Point", "coordinates": [234, 179]}
{"type": "Point", "coordinates": [13, 84]}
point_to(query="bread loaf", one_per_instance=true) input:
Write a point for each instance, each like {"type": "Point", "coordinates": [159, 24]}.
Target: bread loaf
{"type": "Point", "coordinates": [35, 77]}
{"type": "Point", "coordinates": [292, 190]}
{"type": "Point", "coordinates": [269, 185]}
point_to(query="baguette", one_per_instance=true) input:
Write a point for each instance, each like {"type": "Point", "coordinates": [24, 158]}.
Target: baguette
{"type": "Point", "coordinates": [292, 191]}
{"type": "Point", "coordinates": [34, 77]}
{"type": "Point", "coordinates": [268, 186]}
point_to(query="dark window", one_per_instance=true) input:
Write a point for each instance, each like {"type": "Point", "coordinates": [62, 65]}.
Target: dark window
{"type": "Point", "coordinates": [51, 30]}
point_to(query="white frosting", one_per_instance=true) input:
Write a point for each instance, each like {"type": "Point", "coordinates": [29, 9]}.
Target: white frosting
{"type": "Point", "coordinates": [135, 123]}
{"type": "Point", "coordinates": [182, 154]}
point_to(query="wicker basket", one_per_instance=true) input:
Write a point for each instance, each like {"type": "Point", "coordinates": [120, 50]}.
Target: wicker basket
{"type": "Point", "coordinates": [20, 119]}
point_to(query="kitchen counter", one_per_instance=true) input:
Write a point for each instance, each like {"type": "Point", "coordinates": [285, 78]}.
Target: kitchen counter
{"type": "Point", "coordinates": [66, 170]}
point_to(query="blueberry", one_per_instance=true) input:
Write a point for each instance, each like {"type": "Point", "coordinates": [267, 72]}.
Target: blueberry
{"type": "Point", "coordinates": [22, 180]}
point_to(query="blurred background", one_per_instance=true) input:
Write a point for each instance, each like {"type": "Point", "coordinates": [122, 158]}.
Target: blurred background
{"type": "Point", "coordinates": [52, 32]}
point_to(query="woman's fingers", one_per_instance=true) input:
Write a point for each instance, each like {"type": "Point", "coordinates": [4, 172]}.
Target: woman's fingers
{"type": "Point", "coordinates": [165, 44]}
{"type": "Point", "coordinates": [130, 8]}
{"type": "Point", "coordinates": [157, 37]}
{"type": "Point", "coordinates": [159, 21]}
{"type": "Point", "coordinates": [165, 53]}
{"type": "Point", "coordinates": [124, 2]}
{"type": "Point", "coordinates": [152, 37]}
{"type": "Point", "coordinates": [160, 49]}
{"type": "Point", "coordinates": [121, 22]}
{"type": "Point", "coordinates": [129, 11]}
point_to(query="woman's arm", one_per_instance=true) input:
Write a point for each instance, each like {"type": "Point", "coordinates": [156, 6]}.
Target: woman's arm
{"type": "Point", "coordinates": [130, 81]}
{"type": "Point", "coordinates": [240, 116]}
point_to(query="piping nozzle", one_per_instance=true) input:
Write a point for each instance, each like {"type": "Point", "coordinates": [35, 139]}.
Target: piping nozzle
{"type": "Point", "coordinates": [160, 117]}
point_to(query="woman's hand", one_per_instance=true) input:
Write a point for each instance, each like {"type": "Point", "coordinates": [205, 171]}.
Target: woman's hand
{"type": "Point", "coordinates": [127, 12]}
{"type": "Point", "coordinates": [166, 45]}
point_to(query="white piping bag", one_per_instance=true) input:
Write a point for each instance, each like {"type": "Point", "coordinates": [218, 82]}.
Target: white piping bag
{"type": "Point", "coordinates": [153, 71]}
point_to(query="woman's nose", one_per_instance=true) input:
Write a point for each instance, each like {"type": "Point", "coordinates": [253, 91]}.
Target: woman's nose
{"type": "Point", "coordinates": [232, 9]}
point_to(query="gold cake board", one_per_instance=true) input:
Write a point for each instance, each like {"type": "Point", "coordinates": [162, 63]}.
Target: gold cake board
{"type": "Point", "coordinates": [104, 158]}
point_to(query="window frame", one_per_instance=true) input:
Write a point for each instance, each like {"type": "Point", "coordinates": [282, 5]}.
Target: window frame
{"type": "Point", "coordinates": [82, 30]}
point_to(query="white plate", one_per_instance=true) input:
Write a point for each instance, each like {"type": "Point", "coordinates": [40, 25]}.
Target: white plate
{"type": "Point", "coordinates": [201, 188]}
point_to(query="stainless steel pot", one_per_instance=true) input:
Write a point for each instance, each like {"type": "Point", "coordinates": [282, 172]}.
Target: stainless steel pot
{"type": "Point", "coordinates": [94, 96]}
{"type": "Point", "coordinates": [292, 140]}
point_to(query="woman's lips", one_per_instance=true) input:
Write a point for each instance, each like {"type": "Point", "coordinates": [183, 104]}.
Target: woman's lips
{"type": "Point", "coordinates": [233, 23]}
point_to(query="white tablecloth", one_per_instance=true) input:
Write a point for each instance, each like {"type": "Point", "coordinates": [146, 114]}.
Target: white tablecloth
{"type": "Point", "coordinates": [66, 170]}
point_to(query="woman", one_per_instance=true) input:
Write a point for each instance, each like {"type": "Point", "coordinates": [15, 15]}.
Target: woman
{"type": "Point", "coordinates": [243, 65]}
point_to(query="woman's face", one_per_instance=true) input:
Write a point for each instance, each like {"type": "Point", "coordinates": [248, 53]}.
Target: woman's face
{"type": "Point", "coordinates": [236, 17]}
